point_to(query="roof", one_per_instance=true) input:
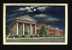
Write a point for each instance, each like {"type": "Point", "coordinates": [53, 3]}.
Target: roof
{"type": "Point", "coordinates": [26, 18]}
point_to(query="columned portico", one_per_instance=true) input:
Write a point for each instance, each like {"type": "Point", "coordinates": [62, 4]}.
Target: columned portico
{"type": "Point", "coordinates": [28, 25]}
{"type": "Point", "coordinates": [29, 28]}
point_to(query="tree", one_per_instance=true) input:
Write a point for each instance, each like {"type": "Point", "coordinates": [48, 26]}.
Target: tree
{"type": "Point", "coordinates": [43, 31]}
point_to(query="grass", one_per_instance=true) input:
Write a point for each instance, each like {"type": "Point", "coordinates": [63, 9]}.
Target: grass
{"type": "Point", "coordinates": [41, 39]}
{"type": "Point", "coordinates": [35, 39]}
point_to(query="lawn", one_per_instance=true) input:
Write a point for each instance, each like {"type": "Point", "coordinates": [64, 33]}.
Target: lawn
{"type": "Point", "coordinates": [36, 39]}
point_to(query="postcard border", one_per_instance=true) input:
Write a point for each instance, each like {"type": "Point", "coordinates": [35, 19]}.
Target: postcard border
{"type": "Point", "coordinates": [35, 43]}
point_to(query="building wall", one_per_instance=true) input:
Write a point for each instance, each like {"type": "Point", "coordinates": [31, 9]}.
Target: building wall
{"type": "Point", "coordinates": [55, 32]}
{"type": "Point", "coordinates": [13, 29]}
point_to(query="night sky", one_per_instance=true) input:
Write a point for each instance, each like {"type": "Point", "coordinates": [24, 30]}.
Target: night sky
{"type": "Point", "coordinates": [52, 15]}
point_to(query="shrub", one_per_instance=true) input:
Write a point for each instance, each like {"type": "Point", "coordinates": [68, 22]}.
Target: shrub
{"type": "Point", "coordinates": [23, 36]}
{"type": "Point", "coordinates": [26, 33]}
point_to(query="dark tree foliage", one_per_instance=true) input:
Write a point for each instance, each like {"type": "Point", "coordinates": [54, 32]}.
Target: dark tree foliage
{"type": "Point", "coordinates": [43, 31]}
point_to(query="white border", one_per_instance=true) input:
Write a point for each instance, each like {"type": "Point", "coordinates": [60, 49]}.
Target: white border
{"type": "Point", "coordinates": [35, 43]}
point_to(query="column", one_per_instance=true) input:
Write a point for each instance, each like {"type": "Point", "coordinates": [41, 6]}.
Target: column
{"type": "Point", "coordinates": [23, 28]}
{"type": "Point", "coordinates": [17, 28]}
{"type": "Point", "coordinates": [31, 31]}
{"type": "Point", "coordinates": [35, 29]}
{"type": "Point", "coordinates": [28, 29]}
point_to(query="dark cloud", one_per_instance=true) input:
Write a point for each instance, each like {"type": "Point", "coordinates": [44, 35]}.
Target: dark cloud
{"type": "Point", "coordinates": [48, 15]}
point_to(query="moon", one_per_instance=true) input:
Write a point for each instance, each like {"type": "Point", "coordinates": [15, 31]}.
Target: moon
{"type": "Point", "coordinates": [34, 9]}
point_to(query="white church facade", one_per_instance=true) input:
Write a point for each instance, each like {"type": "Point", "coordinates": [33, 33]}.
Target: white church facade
{"type": "Point", "coordinates": [25, 24]}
